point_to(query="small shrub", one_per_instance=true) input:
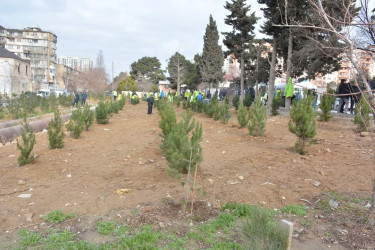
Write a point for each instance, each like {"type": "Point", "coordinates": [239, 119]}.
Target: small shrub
{"type": "Point", "coordinates": [224, 113]}
{"type": "Point", "coordinates": [106, 227]}
{"type": "Point", "coordinates": [236, 102]}
{"type": "Point", "coordinates": [101, 113]}
{"type": "Point", "coordinates": [276, 103]}
{"type": "Point", "coordinates": [55, 132]}
{"type": "Point", "coordinates": [28, 142]}
{"type": "Point", "coordinates": [257, 117]}
{"type": "Point", "coordinates": [199, 106]}
{"type": "Point", "coordinates": [178, 102]}
{"type": "Point", "coordinates": [261, 231]}
{"type": "Point", "coordinates": [326, 107]}
{"type": "Point", "coordinates": [76, 124]}
{"type": "Point", "coordinates": [135, 99]}
{"type": "Point", "coordinates": [248, 100]}
{"type": "Point", "coordinates": [57, 216]}
{"type": "Point", "coordinates": [88, 117]}
{"type": "Point", "coordinates": [114, 107]}
{"type": "Point", "coordinates": [29, 239]}
{"type": "Point", "coordinates": [302, 123]}
{"type": "Point", "coordinates": [362, 112]}
{"type": "Point", "coordinates": [242, 116]}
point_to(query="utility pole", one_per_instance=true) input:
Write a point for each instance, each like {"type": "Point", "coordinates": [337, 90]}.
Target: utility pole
{"type": "Point", "coordinates": [112, 76]}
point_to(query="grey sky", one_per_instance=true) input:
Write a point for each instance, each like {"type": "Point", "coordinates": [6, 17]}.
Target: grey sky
{"type": "Point", "coordinates": [124, 30]}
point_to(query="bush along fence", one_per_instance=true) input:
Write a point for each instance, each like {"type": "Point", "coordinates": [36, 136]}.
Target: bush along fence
{"type": "Point", "coordinates": [181, 145]}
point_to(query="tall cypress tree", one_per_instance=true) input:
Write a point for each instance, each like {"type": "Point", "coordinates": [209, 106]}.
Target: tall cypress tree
{"type": "Point", "coordinates": [212, 59]}
{"type": "Point", "coordinates": [242, 34]}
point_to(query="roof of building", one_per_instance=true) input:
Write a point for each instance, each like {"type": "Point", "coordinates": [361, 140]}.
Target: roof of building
{"type": "Point", "coordinates": [164, 82]}
{"type": "Point", "coordinates": [4, 53]}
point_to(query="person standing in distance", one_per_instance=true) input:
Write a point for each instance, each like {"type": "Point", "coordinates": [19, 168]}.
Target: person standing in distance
{"type": "Point", "coordinates": [150, 102]}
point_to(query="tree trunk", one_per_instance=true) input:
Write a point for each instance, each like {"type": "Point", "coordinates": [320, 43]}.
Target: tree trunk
{"type": "Point", "coordinates": [242, 80]}
{"type": "Point", "coordinates": [371, 223]}
{"type": "Point", "coordinates": [257, 80]}
{"type": "Point", "coordinates": [289, 65]}
{"type": "Point", "coordinates": [271, 83]}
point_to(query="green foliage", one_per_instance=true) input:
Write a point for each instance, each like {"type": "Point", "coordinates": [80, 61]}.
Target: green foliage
{"type": "Point", "coordinates": [182, 146]}
{"type": "Point", "coordinates": [186, 104]}
{"type": "Point", "coordinates": [210, 65]}
{"type": "Point", "coordinates": [242, 116]}
{"type": "Point", "coordinates": [178, 101]}
{"type": "Point", "coordinates": [224, 113]}
{"type": "Point", "coordinates": [239, 210]}
{"type": "Point", "coordinates": [200, 105]}
{"type": "Point", "coordinates": [57, 216]}
{"type": "Point", "coordinates": [66, 100]}
{"type": "Point", "coordinates": [29, 239]}
{"type": "Point", "coordinates": [110, 227]}
{"type": "Point", "coordinates": [101, 113]}
{"type": "Point", "coordinates": [76, 124]}
{"type": "Point", "coordinates": [121, 103]}
{"type": "Point", "coordinates": [53, 102]}
{"type": "Point", "coordinates": [236, 102]}
{"type": "Point", "coordinates": [326, 107]}
{"type": "Point", "coordinates": [54, 238]}
{"type": "Point", "coordinates": [44, 104]}
{"type": "Point", "coordinates": [261, 231]}
{"type": "Point", "coordinates": [276, 103]}
{"type": "Point", "coordinates": [135, 99]}
{"type": "Point", "coordinates": [294, 209]}
{"type": "Point", "coordinates": [147, 68]}
{"type": "Point", "coordinates": [87, 117]}
{"type": "Point", "coordinates": [28, 142]}
{"type": "Point", "coordinates": [248, 100]}
{"type": "Point", "coordinates": [128, 84]}
{"type": "Point", "coordinates": [168, 118]}
{"type": "Point", "coordinates": [302, 123]}
{"type": "Point", "coordinates": [362, 112]}
{"type": "Point", "coordinates": [55, 132]}
{"type": "Point", "coordinates": [146, 238]}
{"type": "Point", "coordinates": [257, 117]}
{"type": "Point", "coordinates": [114, 107]}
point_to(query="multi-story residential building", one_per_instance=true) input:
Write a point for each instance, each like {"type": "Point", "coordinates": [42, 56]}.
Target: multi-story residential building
{"type": "Point", "coordinates": [14, 73]}
{"type": "Point", "coordinates": [36, 46]}
{"type": "Point", "coordinates": [76, 63]}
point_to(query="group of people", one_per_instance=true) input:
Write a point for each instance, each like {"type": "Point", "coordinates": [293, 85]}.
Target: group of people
{"type": "Point", "coordinates": [79, 96]}
{"type": "Point", "coordinates": [348, 91]}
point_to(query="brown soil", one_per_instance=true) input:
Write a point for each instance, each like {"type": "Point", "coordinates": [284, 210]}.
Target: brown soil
{"type": "Point", "coordinates": [125, 154]}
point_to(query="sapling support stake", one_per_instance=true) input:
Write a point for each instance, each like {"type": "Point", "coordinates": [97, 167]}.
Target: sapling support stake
{"type": "Point", "coordinates": [195, 178]}
{"type": "Point", "coordinates": [187, 181]}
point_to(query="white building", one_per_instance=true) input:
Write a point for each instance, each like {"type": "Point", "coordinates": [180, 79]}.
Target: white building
{"type": "Point", "coordinates": [14, 73]}
{"type": "Point", "coordinates": [76, 63]}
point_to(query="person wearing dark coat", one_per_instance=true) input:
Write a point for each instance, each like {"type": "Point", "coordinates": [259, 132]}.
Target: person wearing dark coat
{"type": "Point", "coordinates": [356, 95]}
{"type": "Point", "coordinates": [344, 100]}
{"type": "Point", "coordinates": [150, 102]}
{"type": "Point", "coordinates": [83, 97]}
{"type": "Point", "coordinates": [76, 99]}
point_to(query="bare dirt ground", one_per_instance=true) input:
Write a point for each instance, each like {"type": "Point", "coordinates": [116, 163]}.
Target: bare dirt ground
{"type": "Point", "coordinates": [82, 177]}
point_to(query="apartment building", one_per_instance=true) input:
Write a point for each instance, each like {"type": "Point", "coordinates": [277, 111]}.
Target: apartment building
{"type": "Point", "coordinates": [37, 47]}
{"type": "Point", "coordinates": [14, 73]}
{"type": "Point", "coordinates": [76, 63]}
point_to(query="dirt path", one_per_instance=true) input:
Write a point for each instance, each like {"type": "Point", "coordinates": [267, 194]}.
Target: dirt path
{"type": "Point", "coordinates": [125, 154]}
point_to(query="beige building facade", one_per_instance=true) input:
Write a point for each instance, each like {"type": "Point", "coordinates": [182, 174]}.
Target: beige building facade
{"type": "Point", "coordinates": [37, 47]}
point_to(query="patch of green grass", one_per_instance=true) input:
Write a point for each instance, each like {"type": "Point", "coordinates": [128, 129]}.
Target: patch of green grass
{"type": "Point", "coordinates": [225, 222]}
{"type": "Point", "coordinates": [261, 231]}
{"type": "Point", "coordinates": [226, 246]}
{"type": "Point", "coordinates": [328, 234]}
{"type": "Point", "coordinates": [239, 210]}
{"type": "Point", "coordinates": [146, 238]}
{"type": "Point", "coordinates": [176, 242]}
{"type": "Point", "coordinates": [106, 227]}
{"type": "Point", "coordinates": [305, 222]}
{"type": "Point", "coordinates": [60, 237]}
{"type": "Point", "coordinates": [57, 216]}
{"type": "Point", "coordinates": [29, 239]}
{"type": "Point", "coordinates": [355, 200]}
{"type": "Point", "coordinates": [294, 209]}
{"type": "Point", "coordinates": [336, 196]}
{"type": "Point", "coordinates": [134, 211]}
{"type": "Point", "coordinates": [111, 227]}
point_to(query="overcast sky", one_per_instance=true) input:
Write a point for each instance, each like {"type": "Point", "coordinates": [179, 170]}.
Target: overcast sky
{"type": "Point", "coordinates": [125, 30]}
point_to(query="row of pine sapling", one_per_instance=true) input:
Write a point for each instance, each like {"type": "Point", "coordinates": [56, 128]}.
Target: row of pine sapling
{"type": "Point", "coordinates": [181, 145]}
{"type": "Point", "coordinates": [81, 119]}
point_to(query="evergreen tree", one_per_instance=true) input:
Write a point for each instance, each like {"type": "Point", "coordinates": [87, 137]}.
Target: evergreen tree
{"type": "Point", "coordinates": [28, 142]}
{"type": "Point", "coordinates": [242, 116]}
{"type": "Point", "coordinates": [326, 107]}
{"type": "Point", "coordinates": [302, 123]}
{"type": "Point", "coordinates": [127, 84]}
{"type": "Point", "coordinates": [101, 113]}
{"type": "Point", "coordinates": [88, 117]}
{"type": "Point", "coordinates": [212, 57]}
{"type": "Point", "coordinates": [248, 100]}
{"type": "Point", "coordinates": [242, 34]}
{"type": "Point", "coordinates": [257, 117]}
{"type": "Point", "coordinates": [224, 113]}
{"type": "Point", "coordinates": [55, 132]}
{"type": "Point", "coordinates": [362, 114]}
{"type": "Point", "coordinates": [236, 102]}
{"type": "Point", "coordinates": [75, 124]}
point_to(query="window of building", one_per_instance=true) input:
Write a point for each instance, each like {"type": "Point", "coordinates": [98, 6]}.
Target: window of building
{"type": "Point", "coordinates": [18, 47]}
{"type": "Point", "coordinates": [10, 46]}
